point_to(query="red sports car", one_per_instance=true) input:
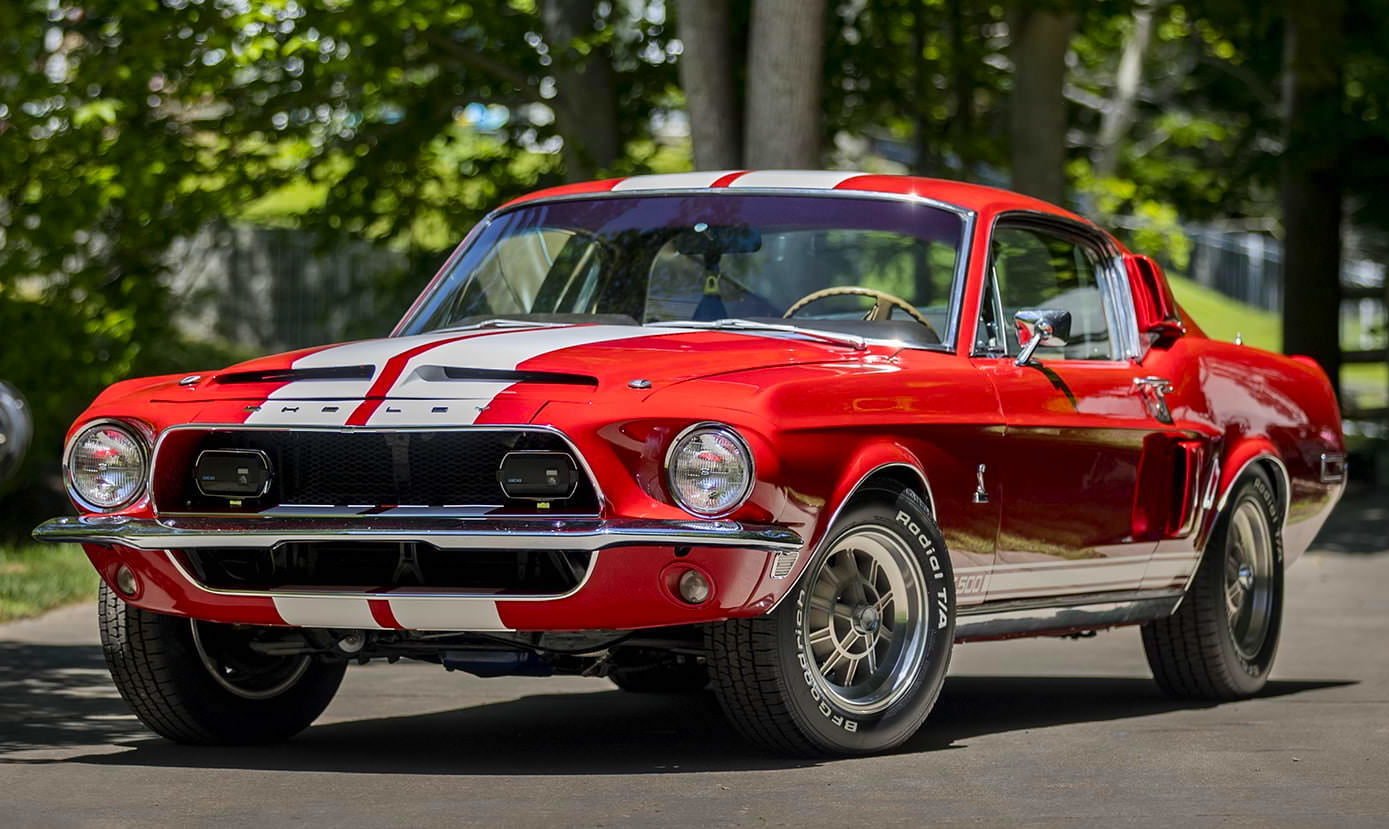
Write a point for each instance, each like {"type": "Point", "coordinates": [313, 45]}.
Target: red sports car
{"type": "Point", "coordinates": [788, 434]}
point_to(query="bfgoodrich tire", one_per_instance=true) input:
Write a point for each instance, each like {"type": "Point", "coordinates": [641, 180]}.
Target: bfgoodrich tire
{"type": "Point", "coordinates": [1220, 643]}
{"type": "Point", "coordinates": [192, 682]}
{"type": "Point", "coordinates": [853, 660]}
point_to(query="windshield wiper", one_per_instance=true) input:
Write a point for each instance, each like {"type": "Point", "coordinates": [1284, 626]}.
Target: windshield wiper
{"type": "Point", "coordinates": [856, 343]}
{"type": "Point", "coordinates": [501, 322]}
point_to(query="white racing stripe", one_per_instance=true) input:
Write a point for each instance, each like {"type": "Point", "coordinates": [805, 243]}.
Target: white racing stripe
{"type": "Point", "coordinates": [505, 352]}
{"type": "Point", "coordinates": [428, 613]}
{"type": "Point", "coordinates": [793, 179]}
{"type": "Point", "coordinates": [1014, 583]}
{"type": "Point", "coordinates": [326, 612]}
{"type": "Point", "coordinates": [333, 402]}
{"type": "Point", "coordinates": [412, 612]}
{"type": "Point", "coordinates": [673, 181]}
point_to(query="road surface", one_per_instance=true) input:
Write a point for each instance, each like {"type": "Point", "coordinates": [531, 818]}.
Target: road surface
{"type": "Point", "coordinates": [1039, 732]}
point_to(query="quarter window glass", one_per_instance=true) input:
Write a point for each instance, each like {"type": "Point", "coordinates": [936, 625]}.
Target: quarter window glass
{"type": "Point", "coordinates": [1033, 269]}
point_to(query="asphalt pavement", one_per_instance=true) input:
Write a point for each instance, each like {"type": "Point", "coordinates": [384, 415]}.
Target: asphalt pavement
{"type": "Point", "coordinates": [1030, 732]}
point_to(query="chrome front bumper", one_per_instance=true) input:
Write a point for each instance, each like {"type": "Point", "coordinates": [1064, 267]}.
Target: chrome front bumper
{"type": "Point", "coordinates": [448, 534]}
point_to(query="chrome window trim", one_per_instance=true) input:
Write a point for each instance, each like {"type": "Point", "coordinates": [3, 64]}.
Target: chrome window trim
{"type": "Point", "coordinates": [1115, 292]}
{"type": "Point", "coordinates": [967, 216]}
{"type": "Point", "coordinates": [713, 426]}
{"type": "Point", "coordinates": [250, 427]}
{"type": "Point", "coordinates": [137, 430]}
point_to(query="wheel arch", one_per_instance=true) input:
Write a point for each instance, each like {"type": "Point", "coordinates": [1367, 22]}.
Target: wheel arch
{"type": "Point", "coordinates": [1250, 456]}
{"type": "Point", "coordinates": [885, 469]}
{"type": "Point", "coordinates": [1258, 456]}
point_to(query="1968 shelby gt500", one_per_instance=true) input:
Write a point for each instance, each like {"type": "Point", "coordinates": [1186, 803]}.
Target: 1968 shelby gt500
{"type": "Point", "coordinates": [790, 435]}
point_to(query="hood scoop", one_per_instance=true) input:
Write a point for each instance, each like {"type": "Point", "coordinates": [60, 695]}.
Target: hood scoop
{"type": "Point", "coordinates": [296, 375]}
{"type": "Point", "coordinates": [445, 374]}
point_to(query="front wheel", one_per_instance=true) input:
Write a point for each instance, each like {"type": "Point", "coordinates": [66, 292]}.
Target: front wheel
{"type": "Point", "coordinates": [1220, 643]}
{"type": "Point", "coordinates": [199, 682]}
{"type": "Point", "coordinates": [853, 660]}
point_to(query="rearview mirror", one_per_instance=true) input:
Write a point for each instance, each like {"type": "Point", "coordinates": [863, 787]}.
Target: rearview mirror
{"type": "Point", "coordinates": [1039, 327]}
{"type": "Point", "coordinates": [707, 240]}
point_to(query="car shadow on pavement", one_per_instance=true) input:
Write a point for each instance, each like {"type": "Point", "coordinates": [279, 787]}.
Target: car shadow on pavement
{"type": "Point", "coordinates": [59, 697]}
{"type": "Point", "coordinates": [1359, 524]}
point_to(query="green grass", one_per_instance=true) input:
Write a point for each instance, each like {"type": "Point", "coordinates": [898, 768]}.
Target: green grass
{"type": "Point", "coordinates": [1222, 318]}
{"type": "Point", "coordinates": [39, 577]}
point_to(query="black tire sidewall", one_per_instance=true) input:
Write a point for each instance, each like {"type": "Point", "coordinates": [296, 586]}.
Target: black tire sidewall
{"type": "Point", "coordinates": [831, 727]}
{"type": "Point", "coordinates": [1247, 675]}
{"type": "Point", "coordinates": [187, 686]}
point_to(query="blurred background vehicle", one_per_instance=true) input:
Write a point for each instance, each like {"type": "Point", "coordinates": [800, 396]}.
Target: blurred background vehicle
{"type": "Point", "coordinates": [16, 429]}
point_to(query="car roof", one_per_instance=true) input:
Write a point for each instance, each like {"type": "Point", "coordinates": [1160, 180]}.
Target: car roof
{"type": "Point", "coordinates": [974, 197]}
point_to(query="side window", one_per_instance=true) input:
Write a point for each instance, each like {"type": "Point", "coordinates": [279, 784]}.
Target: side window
{"type": "Point", "coordinates": [1031, 268]}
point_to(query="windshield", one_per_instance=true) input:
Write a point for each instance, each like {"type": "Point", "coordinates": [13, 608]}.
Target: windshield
{"type": "Point", "coordinates": [707, 257]}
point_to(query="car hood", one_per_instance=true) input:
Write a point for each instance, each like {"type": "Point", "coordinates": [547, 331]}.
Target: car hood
{"type": "Point", "coordinates": [571, 362]}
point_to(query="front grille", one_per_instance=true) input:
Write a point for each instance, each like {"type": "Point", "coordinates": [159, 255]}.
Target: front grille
{"type": "Point", "coordinates": [383, 469]}
{"type": "Point", "coordinates": [378, 566]}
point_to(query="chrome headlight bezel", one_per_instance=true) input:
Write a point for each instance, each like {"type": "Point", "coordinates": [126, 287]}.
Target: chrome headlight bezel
{"type": "Point", "coordinates": [672, 457]}
{"type": "Point", "coordinates": [138, 438]}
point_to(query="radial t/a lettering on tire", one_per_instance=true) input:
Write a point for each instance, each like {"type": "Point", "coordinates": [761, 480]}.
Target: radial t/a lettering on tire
{"type": "Point", "coordinates": [853, 660]}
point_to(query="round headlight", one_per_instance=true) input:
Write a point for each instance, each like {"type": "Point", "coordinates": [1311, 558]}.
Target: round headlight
{"type": "Point", "coordinates": [709, 469]}
{"type": "Point", "coordinates": [106, 466]}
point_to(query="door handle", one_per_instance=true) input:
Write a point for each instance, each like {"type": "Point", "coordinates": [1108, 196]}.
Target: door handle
{"type": "Point", "coordinates": [1154, 391]}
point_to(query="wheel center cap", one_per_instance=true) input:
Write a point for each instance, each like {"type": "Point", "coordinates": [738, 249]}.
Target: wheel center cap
{"type": "Point", "coordinates": [867, 619]}
{"type": "Point", "coordinates": [1245, 577]}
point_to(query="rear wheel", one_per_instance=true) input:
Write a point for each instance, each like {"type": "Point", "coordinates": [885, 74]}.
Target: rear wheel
{"type": "Point", "coordinates": [853, 661]}
{"type": "Point", "coordinates": [199, 682]}
{"type": "Point", "coordinates": [1220, 644]}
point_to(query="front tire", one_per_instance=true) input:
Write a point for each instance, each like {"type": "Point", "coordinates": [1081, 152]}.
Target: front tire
{"type": "Point", "coordinates": [853, 660]}
{"type": "Point", "coordinates": [1220, 643]}
{"type": "Point", "coordinates": [195, 682]}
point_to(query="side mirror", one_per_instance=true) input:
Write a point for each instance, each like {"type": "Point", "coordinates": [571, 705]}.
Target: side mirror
{"type": "Point", "coordinates": [1039, 327]}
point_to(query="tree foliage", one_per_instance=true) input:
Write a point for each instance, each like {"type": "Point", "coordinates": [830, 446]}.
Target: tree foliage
{"type": "Point", "coordinates": [125, 124]}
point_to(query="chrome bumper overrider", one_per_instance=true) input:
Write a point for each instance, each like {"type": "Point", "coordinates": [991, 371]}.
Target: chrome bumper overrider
{"type": "Point", "coordinates": [531, 534]}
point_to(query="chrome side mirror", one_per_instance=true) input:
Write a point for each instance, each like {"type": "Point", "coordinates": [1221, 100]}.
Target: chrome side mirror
{"type": "Point", "coordinates": [1039, 327]}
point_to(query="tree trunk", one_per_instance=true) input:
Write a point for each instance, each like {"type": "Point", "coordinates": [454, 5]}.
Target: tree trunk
{"type": "Point", "coordinates": [706, 73]}
{"type": "Point", "coordinates": [1037, 110]}
{"type": "Point", "coordinates": [962, 127]}
{"type": "Point", "coordinates": [586, 102]}
{"type": "Point", "coordinates": [922, 163]}
{"type": "Point", "coordinates": [1312, 182]}
{"type": "Point", "coordinates": [785, 74]}
{"type": "Point", "coordinates": [1118, 115]}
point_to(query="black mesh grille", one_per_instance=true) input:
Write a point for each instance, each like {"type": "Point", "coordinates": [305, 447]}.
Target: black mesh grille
{"type": "Point", "coordinates": [434, 469]}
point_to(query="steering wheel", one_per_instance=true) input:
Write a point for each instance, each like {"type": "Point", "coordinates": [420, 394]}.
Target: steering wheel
{"type": "Point", "coordinates": [881, 309]}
